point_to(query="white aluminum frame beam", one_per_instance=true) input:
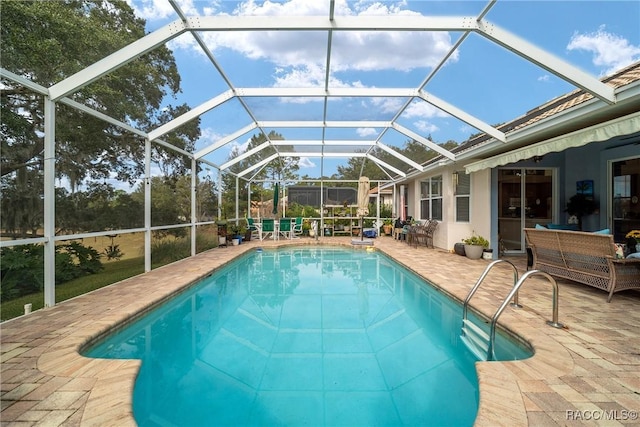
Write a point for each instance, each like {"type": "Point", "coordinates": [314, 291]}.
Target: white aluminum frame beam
{"type": "Point", "coordinates": [339, 23]}
{"type": "Point", "coordinates": [116, 60]}
{"type": "Point", "coordinates": [323, 124]}
{"type": "Point", "coordinates": [315, 142]}
{"type": "Point", "coordinates": [257, 165]}
{"type": "Point", "coordinates": [403, 130]}
{"type": "Point", "coordinates": [463, 115]}
{"type": "Point", "coordinates": [544, 59]}
{"type": "Point", "coordinates": [191, 114]}
{"type": "Point", "coordinates": [386, 165]}
{"type": "Point", "coordinates": [318, 154]}
{"type": "Point", "coordinates": [24, 82]}
{"type": "Point", "coordinates": [399, 156]}
{"type": "Point", "coordinates": [227, 139]}
{"type": "Point", "coordinates": [340, 92]}
{"type": "Point", "coordinates": [331, 24]}
{"type": "Point", "coordinates": [244, 155]}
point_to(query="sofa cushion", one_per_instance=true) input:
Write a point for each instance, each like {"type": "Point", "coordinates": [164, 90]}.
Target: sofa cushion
{"type": "Point", "coordinates": [571, 227]}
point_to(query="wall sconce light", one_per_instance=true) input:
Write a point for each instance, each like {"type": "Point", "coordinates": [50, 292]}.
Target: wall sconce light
{"type": "Point", "coordinates": [537, 159]}
{"type": "Point", "coordinates": [455, 178]}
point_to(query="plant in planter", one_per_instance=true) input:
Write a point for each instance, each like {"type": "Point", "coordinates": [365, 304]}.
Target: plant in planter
{"type": "Point", "coordinates": [306, 226]}
{"type": "Point", "coordinates": [387, 227]}
{"type": "Point", "coordinates": [580, 205]}
{"type": "Point", "coordinates": [474, 245]}
{"type": "Point", "coordinates": [237, 232]}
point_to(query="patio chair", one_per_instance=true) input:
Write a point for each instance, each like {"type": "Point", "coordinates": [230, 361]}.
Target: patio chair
{"type": "Point", "coordinates": [429, 232]}
{"type": "Point", "coordinates": [404, 233]}
{"type": "Point", "coordinates": [416, 235]}
{"type": "Point", "coordinates": [297, 227]}
{"type": "Point", "coordinates": [268, 228]}
{"type": "Point", "coordinates": [254, 228]}
{"type": "Point", "coordinates": [286, 227]}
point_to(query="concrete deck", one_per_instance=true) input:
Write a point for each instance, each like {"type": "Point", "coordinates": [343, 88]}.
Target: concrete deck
{"type": "Point", "coordinates": [587, 373]}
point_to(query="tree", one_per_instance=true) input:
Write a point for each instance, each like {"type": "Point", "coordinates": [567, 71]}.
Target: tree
{"type": "Point", "coordinates": [357, 166]}
{"type": "Point", "coordinates": [280, 169]}
{"type": "Point", "coordinates": [47, 42]}
{"type": "Point", "coordinates": [411, 149]}
{"type": "Point", "coordinates": [171, 201]}
{"type": "Point", "coordinates": [22, 204]}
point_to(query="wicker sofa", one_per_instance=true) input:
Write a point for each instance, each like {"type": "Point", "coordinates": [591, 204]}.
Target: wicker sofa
{"type": "Point", "coordinates": [588, 258]}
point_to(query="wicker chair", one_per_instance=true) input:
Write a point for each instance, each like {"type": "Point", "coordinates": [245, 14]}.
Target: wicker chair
{"type": "Point", "coordinates": [583, 257]}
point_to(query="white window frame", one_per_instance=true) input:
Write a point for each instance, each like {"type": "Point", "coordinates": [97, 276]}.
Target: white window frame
{"type": "Point", "coordinates": [430, 197]}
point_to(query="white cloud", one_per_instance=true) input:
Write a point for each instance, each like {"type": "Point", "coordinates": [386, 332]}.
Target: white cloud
{"type": "Point", "coordinates": [419, 108]}
{"type": "Point", "coordinates": [306, 163]}
{"type": "Point", "coordinates": [299, 57]}
{"type": "Point", "coordinates": [610, 51]}
{"type": "Point", "coordinates": [153, 9]}
{"type": "Point", "coordinates": [385, 105]}
{"type": "Point", "coordinates": [544, 78]}
{"type": "Point", "coordinates": [364, 132]}
{"type": "Point", "coordinates": [425, 127]}
{"type": "Point", "coordinates": [208, 136]}
{"type": "Point", "coordinates": [241, 147]}
{"type": "Point", "coordinates": [466, 129]}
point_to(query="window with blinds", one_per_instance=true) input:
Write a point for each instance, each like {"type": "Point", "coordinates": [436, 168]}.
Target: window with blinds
{"type": "Point", "coordinates": [462, 192]}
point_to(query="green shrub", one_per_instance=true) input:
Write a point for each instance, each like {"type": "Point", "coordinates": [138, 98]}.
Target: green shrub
{"type": "Point", "coordinates": [113, 272]}
{"type": "Point", "coordinates": [22, 267]}
{"type": "Point", "coordinates": [22, 270]}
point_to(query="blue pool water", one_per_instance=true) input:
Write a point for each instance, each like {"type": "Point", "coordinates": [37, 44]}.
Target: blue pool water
{"type": "Point", "coordinates": [304, 336]}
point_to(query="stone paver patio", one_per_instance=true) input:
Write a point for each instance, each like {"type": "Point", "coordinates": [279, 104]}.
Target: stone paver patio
{"type": "Point", "coordinates": [587, 373]}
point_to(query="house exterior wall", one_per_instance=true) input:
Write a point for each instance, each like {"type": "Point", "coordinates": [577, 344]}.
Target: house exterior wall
{"type": "Point", "coordinates": [590, 162]}
{"type": "Point", "coordinates": [480, 207]}
{"type": "Point", "coordinates": [450, 232]}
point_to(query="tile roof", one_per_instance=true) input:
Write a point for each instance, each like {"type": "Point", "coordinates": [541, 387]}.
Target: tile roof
{"type": "Point", "coordinates": [621, 78]}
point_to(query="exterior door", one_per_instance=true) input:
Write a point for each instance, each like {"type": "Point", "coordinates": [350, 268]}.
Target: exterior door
{"type": "Point", "coordinates": [626, 197]}
{"type": "Point", "coordinates": [525, 198]}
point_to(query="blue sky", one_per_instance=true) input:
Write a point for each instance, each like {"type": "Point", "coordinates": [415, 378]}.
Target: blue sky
{"type": "Point", "coordinates": [481, 78]}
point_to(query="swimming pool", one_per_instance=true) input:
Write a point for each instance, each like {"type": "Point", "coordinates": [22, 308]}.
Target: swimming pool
{"type": "Point", "coordinates": [304, 336]}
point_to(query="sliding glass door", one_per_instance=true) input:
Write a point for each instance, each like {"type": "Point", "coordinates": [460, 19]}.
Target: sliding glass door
{"type": "Point", "coordinates": [525, 198]}
{"type": "Point", "coordinates": [626, 197]}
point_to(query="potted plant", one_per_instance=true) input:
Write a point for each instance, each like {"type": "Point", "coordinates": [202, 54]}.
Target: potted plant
{"type": "Point", "coordinates": [237, 232]}
{"type": "Point", "coordinates": [581, 205]}
{"type": "Point", "coordinates": [474, 245]}
{"type": "Point", "coordinates": [306, 227]}
{"type": "Point", "coordinates": [387, 227]}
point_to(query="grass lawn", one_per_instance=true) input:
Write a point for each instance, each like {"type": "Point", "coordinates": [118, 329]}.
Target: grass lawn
{"type": "Point", "coordinates": [113, 272]}
{"type": "Point", "coordinates": [164, 251]}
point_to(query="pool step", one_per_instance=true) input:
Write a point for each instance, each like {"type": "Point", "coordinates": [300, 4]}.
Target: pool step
{"type": "Point", "coordinates": [476, 340]}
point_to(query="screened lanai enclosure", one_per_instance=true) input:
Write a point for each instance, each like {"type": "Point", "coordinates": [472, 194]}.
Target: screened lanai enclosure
{"type": "Point", "coordinates": [131, 132]}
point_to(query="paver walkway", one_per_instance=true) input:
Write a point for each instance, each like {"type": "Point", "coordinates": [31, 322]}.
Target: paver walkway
{"type": "Point", "coordinates": [587, 373]}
